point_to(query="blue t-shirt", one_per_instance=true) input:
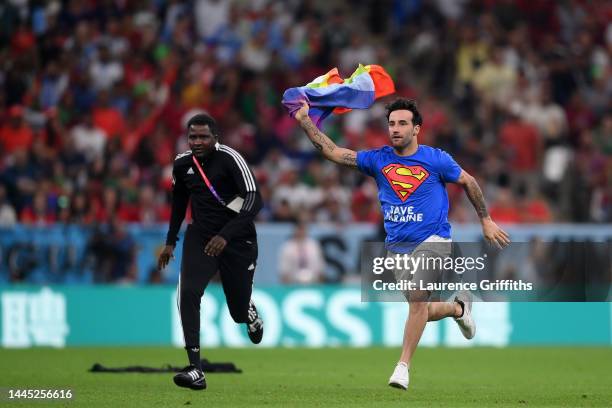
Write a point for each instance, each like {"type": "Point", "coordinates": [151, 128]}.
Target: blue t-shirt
{"type": "Point", "coordinates": [412, 191]}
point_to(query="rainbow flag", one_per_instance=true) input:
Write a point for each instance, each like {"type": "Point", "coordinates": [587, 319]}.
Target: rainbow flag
{"type": "Point", "coordinates": [330, 93]}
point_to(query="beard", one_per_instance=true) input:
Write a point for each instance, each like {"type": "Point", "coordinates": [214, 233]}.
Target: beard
{"type": "Point", "coordinates": [405, 141]}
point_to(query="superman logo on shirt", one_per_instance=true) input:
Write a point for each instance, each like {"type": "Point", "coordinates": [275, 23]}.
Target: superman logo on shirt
{"type": "Point", "coordinates": [404, 179]}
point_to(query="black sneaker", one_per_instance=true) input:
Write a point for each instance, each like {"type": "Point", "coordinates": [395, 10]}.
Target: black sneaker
{"type": "Point", "coordinates": [254, 325]}
{"type": "Point", "coordinates": [190, 377]}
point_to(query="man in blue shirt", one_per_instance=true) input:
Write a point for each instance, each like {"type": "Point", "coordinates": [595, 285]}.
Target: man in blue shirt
{"type": "Point", "coordinates": [411, 181]}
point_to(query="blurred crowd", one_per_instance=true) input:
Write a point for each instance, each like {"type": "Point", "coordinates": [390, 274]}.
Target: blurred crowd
{"type": "Point", "coordinates": [94, 95]}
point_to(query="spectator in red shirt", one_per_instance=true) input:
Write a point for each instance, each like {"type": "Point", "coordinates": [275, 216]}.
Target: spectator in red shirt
{"type": "Point", "coordinates": [505, 208]}
{"type": "Point", "coordinates": [533, 207]}
{"type": "Point", "coordinates": [16, 134]}
{"type": "Point", "coordinates": [522, 141]}
{"type": "Point", "coordinates": [138, 71]}
{"type": "Point", "coordinates": [108, 118]}
{"type": "Point", "coordinates": [535, 210]}
{"type": "Point", "coordinates": [39, 212]}
{"type": "Point", "coordinates": [23, 39]}
{"type": "Point", "coordinates": [364, 205]}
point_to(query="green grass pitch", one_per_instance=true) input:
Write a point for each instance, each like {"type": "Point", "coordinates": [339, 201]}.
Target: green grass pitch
{"type": "Point", "coordinates": [332, 377]}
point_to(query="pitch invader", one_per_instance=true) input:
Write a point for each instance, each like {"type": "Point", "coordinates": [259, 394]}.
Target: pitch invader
{"type": "Point", "coordinates": [224, 202]}
{"type": "Point", "coordinates": [411, 180]}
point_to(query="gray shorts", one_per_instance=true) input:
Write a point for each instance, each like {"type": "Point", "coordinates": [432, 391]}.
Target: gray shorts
{"type": "Point", "coordinates": [423, 264]}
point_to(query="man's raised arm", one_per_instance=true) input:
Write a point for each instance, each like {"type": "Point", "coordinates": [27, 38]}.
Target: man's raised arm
{"type": "Point", "coordinates": [322, 142]}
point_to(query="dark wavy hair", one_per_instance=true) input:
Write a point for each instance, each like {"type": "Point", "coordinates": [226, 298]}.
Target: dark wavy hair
{"type": "Point", "coordinates": [406, 104]}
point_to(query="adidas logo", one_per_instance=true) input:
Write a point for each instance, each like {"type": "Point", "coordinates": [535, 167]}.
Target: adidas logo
{"type": "Point", "coordinates": [190, 171]}
{"type": "Point", "coordinates": [251, 267]}
{"type": "Point", "coordinates": [194, 375]}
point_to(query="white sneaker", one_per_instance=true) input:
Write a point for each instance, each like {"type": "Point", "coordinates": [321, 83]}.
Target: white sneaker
{"type": "Point", "coordinates": [466, 322]}
{"type": "Point", "coordinates": [399, 378]}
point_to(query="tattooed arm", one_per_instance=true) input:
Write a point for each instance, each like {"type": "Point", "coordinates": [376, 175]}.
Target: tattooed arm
{"type": "Point", "coordinates": [491, 231]}
{"type": "Point", "coordinates": [322, 142]}
{"type": "Point", "coordinates": [474, 193]}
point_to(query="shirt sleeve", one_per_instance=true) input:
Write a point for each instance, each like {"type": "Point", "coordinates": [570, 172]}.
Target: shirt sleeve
{"type": "Point", "coordinates": [448, 167]}
{"type": "Point", "coordinates": [180, 200]}
{"type": "Point", "coordinates": [247, 187]}
{"type": "Point", "coordinates": [365, 162]}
